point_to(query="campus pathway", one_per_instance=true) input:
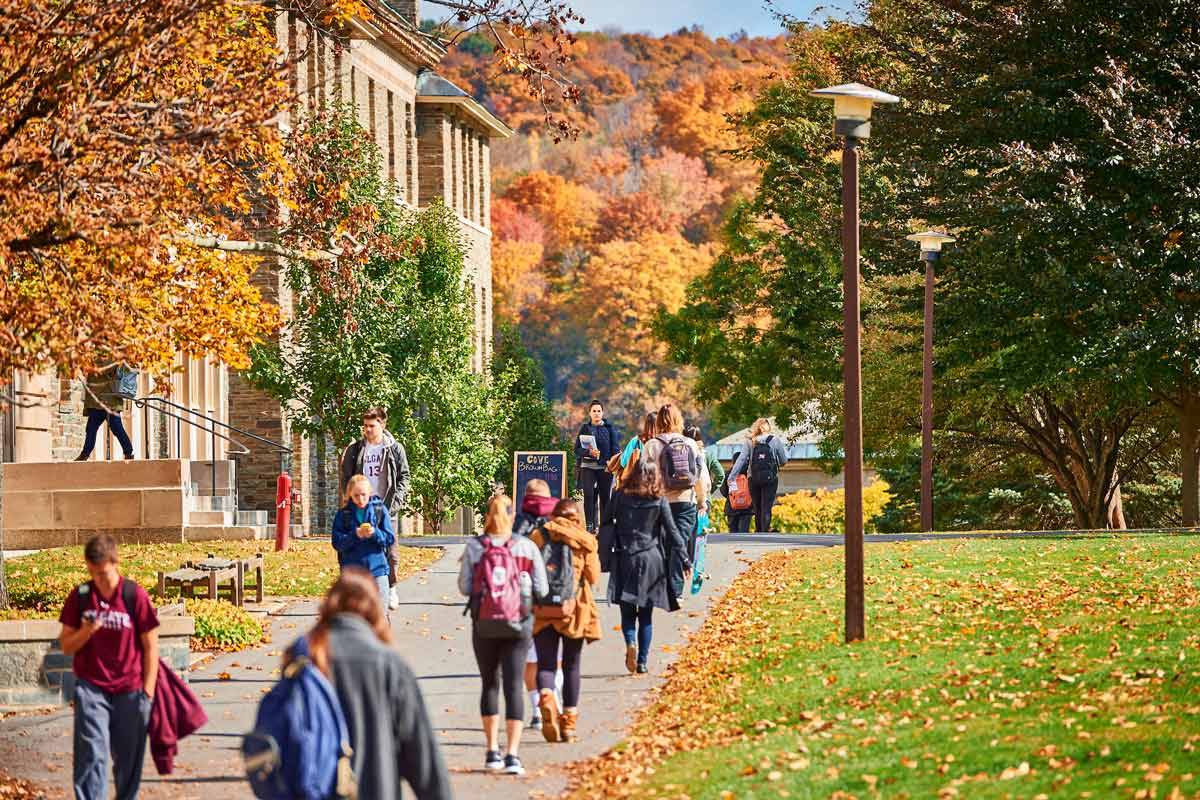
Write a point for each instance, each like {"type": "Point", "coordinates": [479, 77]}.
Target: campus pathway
{"type": "Point", "coordinates": [435, 638]}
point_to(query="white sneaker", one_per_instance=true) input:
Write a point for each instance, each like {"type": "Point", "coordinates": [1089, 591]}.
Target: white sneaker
{"type": "Point", "coordinates": [393, 599]}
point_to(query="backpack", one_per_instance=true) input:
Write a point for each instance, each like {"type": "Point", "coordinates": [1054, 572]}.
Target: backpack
{"type": "Point", "coordinates": [740, 498]}
{"type": "Point", "coordinates": [560, 600]}
{"type": "Point", "coordinates": [125, 383]}
{"type": "Point", "coordinates": [678, 463]}
{"type": "Point", "coordinates": [300, 746]}
{"type": "Point", "coordinates": [498, 600]}
{"type": "Point", "coordinates": [763, 466]}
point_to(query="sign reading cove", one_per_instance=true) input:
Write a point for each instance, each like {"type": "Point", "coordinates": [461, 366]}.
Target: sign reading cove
{"type": "Point", "coordinates": [550, 466]}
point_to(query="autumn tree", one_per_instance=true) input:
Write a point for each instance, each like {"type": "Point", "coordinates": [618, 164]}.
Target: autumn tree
{"type": "Point", "coordinates": [518, 244]}
{"type": "Point", "coordinates": [566, 210]}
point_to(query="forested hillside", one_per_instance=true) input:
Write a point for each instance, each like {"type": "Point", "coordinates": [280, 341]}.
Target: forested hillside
{"type": "Point", "coordinates": [593, 235]}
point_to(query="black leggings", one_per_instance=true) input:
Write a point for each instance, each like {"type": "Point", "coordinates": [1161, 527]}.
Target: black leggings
{"type": "Point", "coordinates": [596, 485]}
{"type": "Point", "coordinates": [496, 658]}
{"type": "Point", "coordinates": [764, 503]}
{"type": "Point", "coordinates": [546, 643]}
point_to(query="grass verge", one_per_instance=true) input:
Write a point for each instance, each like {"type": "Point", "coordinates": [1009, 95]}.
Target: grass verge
{"type": "Point", "coordinates": [39, 583]}
{"type": "Point", "coordinates": [993, 668]}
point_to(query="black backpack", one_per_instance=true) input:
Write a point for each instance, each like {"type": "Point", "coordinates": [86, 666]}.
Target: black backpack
{"type": "Point", "coordinates": [763, 466]}
{"type": "Point", "coordinates": [559, 600]}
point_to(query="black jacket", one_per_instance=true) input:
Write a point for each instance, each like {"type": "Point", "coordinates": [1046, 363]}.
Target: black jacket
{"type": "Point", "coordinates": [608, 442]}
{"type": "Point", "coordinates": [526, 523]}
{"type": "Point", "coordinates": [395, 462]}
{"type": "Point", "coordinates": [647, 547]}
{"type": "Point", "coordinates": [389, 725]}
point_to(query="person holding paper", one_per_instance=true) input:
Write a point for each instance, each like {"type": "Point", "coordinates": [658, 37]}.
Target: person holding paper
{"type": "Point", "coordinates": [596, 443]}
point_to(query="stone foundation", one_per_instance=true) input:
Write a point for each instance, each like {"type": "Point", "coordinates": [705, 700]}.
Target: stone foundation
{"type": "Point", "coordinates": [34, 671]}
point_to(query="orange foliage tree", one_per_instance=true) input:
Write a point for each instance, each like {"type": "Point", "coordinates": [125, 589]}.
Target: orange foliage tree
{"type": "Point", "coordinates": [567, 210]}
{"type": "Point", "coordinates": [517, 247]}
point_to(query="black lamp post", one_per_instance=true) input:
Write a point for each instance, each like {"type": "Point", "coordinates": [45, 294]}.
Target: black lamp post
{"type": "Point", "coordinates": [852, 104]}
{"type": "Point", "coordinates": [931, 247]}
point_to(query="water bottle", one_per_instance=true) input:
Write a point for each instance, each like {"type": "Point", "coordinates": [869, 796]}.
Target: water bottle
{"type": "Point", "coordinates": [526, 594]}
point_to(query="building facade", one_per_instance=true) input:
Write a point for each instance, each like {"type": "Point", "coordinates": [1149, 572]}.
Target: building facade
{"type": "Point", "coordinates": [435, 142]}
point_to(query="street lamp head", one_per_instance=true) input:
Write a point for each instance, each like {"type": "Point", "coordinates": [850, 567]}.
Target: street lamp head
{"type": "Point", "coordinates": [930, 241]}
{"type": "Point", "coordinates": [852, 104]}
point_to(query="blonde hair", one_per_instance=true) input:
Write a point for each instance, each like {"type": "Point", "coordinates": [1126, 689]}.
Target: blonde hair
{"type": "Point", "coordinates": [357, 480]}
{"type": "Point", "coordinates": [499, 517]}
{"type": "Point", "coordinates": [670, 419]}
{"type": "Point", "coordinates": [537, 488]}
{"type": "Point", "coordinates": [761, 425]}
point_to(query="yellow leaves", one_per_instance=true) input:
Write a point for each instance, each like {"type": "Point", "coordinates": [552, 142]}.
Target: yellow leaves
{"type": "Point", "coordinates": [1019, 771]}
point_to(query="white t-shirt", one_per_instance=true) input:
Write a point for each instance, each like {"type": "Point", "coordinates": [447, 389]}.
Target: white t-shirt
{"type": "Point", "coordinates": [372, 464]}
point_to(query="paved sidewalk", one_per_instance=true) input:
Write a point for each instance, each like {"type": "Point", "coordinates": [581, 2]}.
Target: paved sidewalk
{"type": "Point", "coordinates": [434, 636]}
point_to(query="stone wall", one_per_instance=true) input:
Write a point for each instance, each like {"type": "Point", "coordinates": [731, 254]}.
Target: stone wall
{"type": "Point", "coordinates": [34, 671]}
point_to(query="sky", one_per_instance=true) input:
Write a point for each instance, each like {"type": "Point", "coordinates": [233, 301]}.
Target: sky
{"type": "Point", "coordinates": [717, 17]}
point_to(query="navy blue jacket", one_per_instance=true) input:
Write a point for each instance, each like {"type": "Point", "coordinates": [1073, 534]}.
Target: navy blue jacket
{"type": "Point", "coordinates": [369, 553]}
{"type": "Point", "coordinates": [608, 442]}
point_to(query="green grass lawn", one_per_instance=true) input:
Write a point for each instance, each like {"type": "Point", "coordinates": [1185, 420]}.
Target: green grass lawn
{"type": "Point", "coordinates": [991, 669]}
{"type": "Point", "coordinates": [39, 583]}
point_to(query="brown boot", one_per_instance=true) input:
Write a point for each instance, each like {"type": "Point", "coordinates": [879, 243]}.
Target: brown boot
{"type": "Point", "coordinates": [551, 720]}
{"type": "Point", "coordinates": [567, 725]}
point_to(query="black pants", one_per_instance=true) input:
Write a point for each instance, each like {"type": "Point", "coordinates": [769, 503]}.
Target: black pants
{"type": "Point", "coordinates": [546, 643]}
{"type": "Point", "coordinates": [501, 659]}
{"type": "Point", "coordinates": [596, 485]}
{"type": "Point", "coordinates": [95, 418]}
{"type": "Point", "coordinates": [764, 502]}
{"type": "Point", "coordinates": [739, 520]}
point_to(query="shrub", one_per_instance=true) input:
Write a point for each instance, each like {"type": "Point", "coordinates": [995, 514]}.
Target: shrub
{"type": "Point", "coordinates": [222, 626]}
{"type": "Point", "coordinates": [823, 511]}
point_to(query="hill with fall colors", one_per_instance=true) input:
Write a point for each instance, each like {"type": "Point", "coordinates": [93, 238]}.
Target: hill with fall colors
{"type": "Point", "coordinates": [593, 235]}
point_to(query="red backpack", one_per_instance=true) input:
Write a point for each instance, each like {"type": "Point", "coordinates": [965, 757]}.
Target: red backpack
{"type": "Point", "coordinates": [500, 609]}
{"type": "Point", "coordinates": [740, 498]}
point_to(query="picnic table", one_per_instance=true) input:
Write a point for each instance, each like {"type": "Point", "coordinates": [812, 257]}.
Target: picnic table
{"type": "Point", "coordinates": [215, 577]}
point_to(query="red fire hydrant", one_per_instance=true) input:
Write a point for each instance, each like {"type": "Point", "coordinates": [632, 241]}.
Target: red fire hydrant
{"type": "Point", "coordinates": [283, 510]}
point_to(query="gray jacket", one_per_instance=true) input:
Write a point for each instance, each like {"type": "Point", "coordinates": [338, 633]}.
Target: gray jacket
{"type": "Point", "coordinates": [389, 725]}
{"type": "Point", "coordinates": [742, 460]}
{"type": "Point", "coordinates": [395, 465]}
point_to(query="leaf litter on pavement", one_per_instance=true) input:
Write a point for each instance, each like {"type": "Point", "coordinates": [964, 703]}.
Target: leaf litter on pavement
{"type": "Point", "coordinates": [992, 668]}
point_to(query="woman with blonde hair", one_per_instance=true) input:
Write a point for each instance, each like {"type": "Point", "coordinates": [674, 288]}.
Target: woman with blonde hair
{"type": "Point", "coordinates": [389, 727]}
{"type": "Point", "coordinates": [362, 532]}
{"type": "Point", "coordinates": [760, 459]}
{"type": "Point", "coordinates": [682, 476]}
{"type": "Point", "coordinates": [501, 574]}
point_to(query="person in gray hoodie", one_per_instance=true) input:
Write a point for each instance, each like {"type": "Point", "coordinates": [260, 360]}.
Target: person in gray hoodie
{"type": "Point", "coordinates": [764, 453]}
{"type": "Point", "coordinates": [383, 460]}
{"type": "Point", "coordinates": [389, 726]}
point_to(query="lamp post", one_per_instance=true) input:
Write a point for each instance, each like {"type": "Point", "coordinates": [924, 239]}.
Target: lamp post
{"type": "Point", "coordinates": [931, 247]}
{"type": "Point", "coordinates": [852, 104]}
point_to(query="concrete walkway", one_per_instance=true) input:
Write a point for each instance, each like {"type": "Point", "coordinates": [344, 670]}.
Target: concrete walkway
{"type": "Point", "coordinates": [435, 637]}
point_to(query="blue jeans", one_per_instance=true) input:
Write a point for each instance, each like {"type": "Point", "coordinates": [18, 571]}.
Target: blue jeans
{"type": "Point", "coordinates": [635, 624]}
{"type": "Point", "coordinates": [97, 417]}
{"type": "Point", "coordinates": [104, 723]}
{"type": "Point", "coordinates": [382, 582]}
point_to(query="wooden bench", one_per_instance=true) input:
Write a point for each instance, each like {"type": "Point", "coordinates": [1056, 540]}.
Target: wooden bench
{"type": "Point", "coordinates": [210, 573]}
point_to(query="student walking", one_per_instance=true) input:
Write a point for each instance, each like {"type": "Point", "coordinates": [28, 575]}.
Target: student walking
{"type": "Point", "coordinates": [500, 575]}
{"type": "Point", "coordinates": [110, 628]}
{"type": "Point", "coordinates": [682, 475]}
{"type": "Point", "coordinates": [102, 404]}
{"type": "Point", "coordinates": [383, 460]}
{"type": "Point", "coordinates": [765, 453]}
{"type": "Point", "coordinates": [634, 447]}
{"type": "Point", "coordinates": [536, 507]}
{"type": "Point", "coordinates": [592, 455]}
{"type": "Point", "coordinates": [389, 727]}
{"type": "Point", "coordinates": [363, 533]}
{"type": "Point", "coordinates": [646, 542]}
{"type": "Point", "coordinates": [573, 569]}
{"type": "Point", "coordinates": [716, 473]}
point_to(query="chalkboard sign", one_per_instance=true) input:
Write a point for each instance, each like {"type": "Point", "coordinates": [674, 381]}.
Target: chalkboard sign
{"type": "Point", "coordinates": [550, 466]}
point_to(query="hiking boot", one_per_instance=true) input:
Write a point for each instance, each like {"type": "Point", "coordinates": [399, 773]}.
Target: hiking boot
{"type": "Point", "coordinates": [549, 712]}
{"type": "Point", "coordinates": [513, 766]}
{"type": "Point", "coordinates": [631, 657]}
{"type": "Point", "coordinates": [493, 761]}
{"type": "Point", "coordinates": [569, 720]}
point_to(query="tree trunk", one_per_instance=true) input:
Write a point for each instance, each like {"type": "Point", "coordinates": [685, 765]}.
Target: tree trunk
{"type": "Point", "coordinates": [1189, 441]}
{"type": "Point", "coordinates": [1116, 511]}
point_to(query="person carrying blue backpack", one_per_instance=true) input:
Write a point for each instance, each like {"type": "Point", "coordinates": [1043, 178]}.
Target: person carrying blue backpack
{"type": "Point", "coordinates": [347, 719]}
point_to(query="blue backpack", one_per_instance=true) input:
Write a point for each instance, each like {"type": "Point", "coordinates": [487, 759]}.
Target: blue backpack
{"type": "Point", "coordinates": [300, 747]}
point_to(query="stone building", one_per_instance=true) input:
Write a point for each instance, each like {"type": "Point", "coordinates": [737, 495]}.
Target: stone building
{"type": "Point", "coordinates": [435, 140]}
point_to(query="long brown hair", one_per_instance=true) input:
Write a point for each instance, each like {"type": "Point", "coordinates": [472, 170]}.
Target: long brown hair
{"type": "Point", "coordinates": [649, 427]}
{"type": "Point", "coordinates": [354, 592]}
{"type": "Point", "coordinates": [670, 419]}
{"type": "Point", "coordinates": [642, 480]}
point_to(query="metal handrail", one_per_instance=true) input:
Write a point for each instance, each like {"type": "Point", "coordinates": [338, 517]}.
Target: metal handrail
{"type": "Point", "coordinates": [163, 406]}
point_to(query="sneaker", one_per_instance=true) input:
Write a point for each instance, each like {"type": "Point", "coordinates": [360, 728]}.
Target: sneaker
{"type": "Point", "coordinates": [536, 721]}
{"type": "Point", "coordinates": [393, 599]}
{"type": "Point", "coordinates": [493, 760]}
{"type": "Point", "coordinates": [631, 657]}
{"type": "Point", "coordinates": [549, 711]}
{"type": "Point", "coordinates": [512, 765]}
{"type": "Point", "coordinates": [641, 669]}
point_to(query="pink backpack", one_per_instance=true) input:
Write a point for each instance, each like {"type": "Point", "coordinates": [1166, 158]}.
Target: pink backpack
{"type": "Point", "coordinates": [496, 592]}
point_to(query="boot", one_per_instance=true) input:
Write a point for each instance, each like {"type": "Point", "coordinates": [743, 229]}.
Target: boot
{"type": "Point", "coordinates": [567, 724]}
{"type": "Point", "coordinates": [550, 716]}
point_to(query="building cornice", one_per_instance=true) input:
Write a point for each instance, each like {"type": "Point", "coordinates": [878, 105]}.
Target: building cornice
{"type": "Point", "coordinates": [387, 26]}
{"type": "Point", "coordinates": [471, 108]}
